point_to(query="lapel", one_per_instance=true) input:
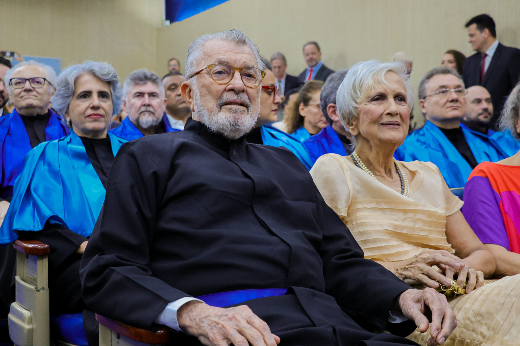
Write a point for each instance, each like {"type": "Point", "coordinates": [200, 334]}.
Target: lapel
{"type": "Point", "coordinates": [494, 64]}
{"type": "Point", "coordinates": [320, 72]}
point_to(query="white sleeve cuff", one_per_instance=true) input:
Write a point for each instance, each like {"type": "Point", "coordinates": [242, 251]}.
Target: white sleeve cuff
{"type": "Point", "coordinates": [396, 316]}
{"type": "Point", "coordinates": [169, 315]}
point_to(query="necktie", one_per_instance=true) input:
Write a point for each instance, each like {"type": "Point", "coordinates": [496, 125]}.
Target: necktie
{"type": "Point", "coordinates": [279, 86]}
{"type": "Point", "coordinates": [482, 68]}
{"type": "Point", "coordinates": [310, 74]}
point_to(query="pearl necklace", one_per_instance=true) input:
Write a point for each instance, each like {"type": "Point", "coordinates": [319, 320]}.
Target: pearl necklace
{"type": "Point", "coordinates": [405, 186]}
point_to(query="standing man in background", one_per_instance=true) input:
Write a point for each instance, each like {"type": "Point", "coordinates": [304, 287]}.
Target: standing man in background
{"type": "Point", "coordinates": [177, 109]}
{"type": "Point", "coordinates": [284, 82]}
{"type": "Point", "coordinates": [315, 70]}
{"type": "Point", "coordinates": [493, 66]}
{"type": "Point", "coordinates": [174, 65]}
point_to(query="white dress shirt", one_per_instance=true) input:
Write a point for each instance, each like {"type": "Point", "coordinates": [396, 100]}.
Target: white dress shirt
{"type": "Point", "coordinates": [491, 50]}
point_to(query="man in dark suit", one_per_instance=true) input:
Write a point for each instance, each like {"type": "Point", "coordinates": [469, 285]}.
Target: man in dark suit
{"type": "Point", "coordinates": [284, 82]}
{"type": "Point", "coordinates": [315, 70]}
{"type": "Point", "coordinates": [242, 227]}
{"type": "Point", "coordinates": [493, 66]}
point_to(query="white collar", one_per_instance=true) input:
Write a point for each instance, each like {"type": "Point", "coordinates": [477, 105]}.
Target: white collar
{"type": "Point", "coordinates": [491, 50]}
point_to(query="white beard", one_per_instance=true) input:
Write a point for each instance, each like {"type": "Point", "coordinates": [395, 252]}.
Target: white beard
{"type": "Point", "coordinates": [231, 126]}
{"type": "Point", "coordinates": [148, 120]}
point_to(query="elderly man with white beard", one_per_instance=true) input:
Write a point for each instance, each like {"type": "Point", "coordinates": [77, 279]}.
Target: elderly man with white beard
{"type": "Point", "coordinates": [230, 241]}
{"type": "Point", "coordinates": [144, 101]}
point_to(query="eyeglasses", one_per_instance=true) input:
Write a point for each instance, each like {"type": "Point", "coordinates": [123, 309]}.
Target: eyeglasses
{"type": "Point", "coordinates": [223, 74]}
{"type": "Point", "coordinates": [444, 92]}
{"type": "Point", "coordinates": [35, 82]}
{"type": "Point", "coordinates": [271, 90]}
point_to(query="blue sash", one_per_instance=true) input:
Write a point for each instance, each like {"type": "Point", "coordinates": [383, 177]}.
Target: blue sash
{"type": "Point", "coordinates": [224, 299]}
{"type": "Point", "coordinates": [301, 134]}
{"type": "Point", "coordinates": [502, 141]}
{"type": "Point", "coordinates": [325, 142]}
{"type": "Point", "coordinates": [430, 144]}
{"type": "Point", "coordinates": [59, 184]}
{"type": "Point", "coordinates": [273, 137]}
{"type": "Point", "coordinates": [129, 131]}
{"type": "Point", "coordinates": [15, 144]}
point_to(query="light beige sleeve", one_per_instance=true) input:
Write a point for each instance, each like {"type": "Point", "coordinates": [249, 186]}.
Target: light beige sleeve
{"type": "Point", "coordinates": [332, 179]}
{"type": "Point", "coordinates": [453, 203]}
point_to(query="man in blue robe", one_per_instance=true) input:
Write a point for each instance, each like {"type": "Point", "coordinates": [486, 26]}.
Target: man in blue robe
{"type": "Point", "coordinates": [31, 86]}
{"type": "Point", "coordinates": [479, 112]}
{"type": "Point", "coordinates": [334, 138]}
{"type": "Point", "coordinates": [144, 101]}
{"type": "Point", "coordinates": [455, 150]}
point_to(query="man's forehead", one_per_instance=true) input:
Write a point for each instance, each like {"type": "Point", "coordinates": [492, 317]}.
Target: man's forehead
{"type": "Point", "coordinates": [3, 70]}
{"type": "Point", "coordinates": [30, 71]}
{"type": "Point", "coordinates": [179, 79]}
{"type": "Point", "coordinates": [477, 92]}
{"type": "Point", "coordinates": [226, 52]}
{"type": "Point", "coordinates": [147, 87]}
{"type": "Point", "coordinates": [444, 81]}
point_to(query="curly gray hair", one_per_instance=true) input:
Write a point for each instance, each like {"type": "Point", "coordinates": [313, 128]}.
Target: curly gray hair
{"type": "Point", "coordinates": [511, 112]}
{"type": "Point", "coordinates": [358, 82]}
{"type": "Point", "coordinates": [67, 79]}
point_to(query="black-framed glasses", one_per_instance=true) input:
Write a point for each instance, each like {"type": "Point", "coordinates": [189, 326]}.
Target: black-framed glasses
{"type": "Point", "coordinates": [35, 82]}
{"type": "Point", "coordinates": [271, 90]}
{"type": "Point", "coordinates": [223, 74]}
{"type": "Point", "coordinates": [444, 92]}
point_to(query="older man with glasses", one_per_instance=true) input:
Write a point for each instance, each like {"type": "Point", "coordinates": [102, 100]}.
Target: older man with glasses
{"type": "Point", "coordinates": [30, 86]}
{"type": "Point", "coordinates": [231, 242]}
{"type": "Point", "coordinates": [454, 149]}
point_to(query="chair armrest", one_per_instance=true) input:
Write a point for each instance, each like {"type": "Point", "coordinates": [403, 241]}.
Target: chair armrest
{"type": "Point", "coordinates": [32, 247]}
{"type": "Point", "coordinates": [141, 335]}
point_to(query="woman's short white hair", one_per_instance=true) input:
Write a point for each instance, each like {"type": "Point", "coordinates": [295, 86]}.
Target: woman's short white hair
{"type": "Point", "coordinates": [50, 74]}
{"type": "Point", "coordinates": [66, 84]}
{"type": "Point", "coordinates": [360, 80]}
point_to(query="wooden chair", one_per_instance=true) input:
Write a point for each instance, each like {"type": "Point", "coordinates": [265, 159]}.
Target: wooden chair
{"type": "Point", "coordinates": [113, 333]}
{"type": "Point", "coordinates": [29, 320]}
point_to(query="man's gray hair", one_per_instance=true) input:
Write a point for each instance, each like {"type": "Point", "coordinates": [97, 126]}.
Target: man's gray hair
{"type": "Point", "coordinates": [511, 112]}
{"type": "Point", "coordinates": [434, 72]}
{"type": "Point", "coordinates": [279, 56]}
{"type": "Point", "coordinates": [50, 74]}
{"type": "Point", "coordinates": [236, 36]}
{"type": "Point", "coordinates": [360, 80]}
{"type": "Point", "coordinates": [141, 77]}
{"type": "Point", "coordinates": [330, 90]}
{"type": "Point", "coordinates": [66, 84]}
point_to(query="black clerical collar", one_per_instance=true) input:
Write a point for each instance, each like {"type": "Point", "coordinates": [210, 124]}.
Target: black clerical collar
{"type": "Point", "coordinates": [216, 139]}
{"type": "Point", "coordinates": [35, 126]}
{"type": "Point", "coordinates": [255, 136]}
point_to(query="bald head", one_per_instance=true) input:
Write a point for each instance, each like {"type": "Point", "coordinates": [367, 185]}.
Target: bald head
{"type": "Point", "coordinates": [479, 109]}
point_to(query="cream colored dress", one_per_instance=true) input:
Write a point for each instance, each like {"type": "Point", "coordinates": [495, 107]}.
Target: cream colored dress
{"type": "Point", "coordinates": [391, 227]}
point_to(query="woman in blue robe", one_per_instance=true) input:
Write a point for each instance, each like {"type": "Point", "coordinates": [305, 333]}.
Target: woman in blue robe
{"type": "Point", "coordinates": [59, 194]}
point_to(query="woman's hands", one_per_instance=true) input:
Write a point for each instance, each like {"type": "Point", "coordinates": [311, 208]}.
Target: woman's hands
{"type": "Point", "coordinates": [420, 269]}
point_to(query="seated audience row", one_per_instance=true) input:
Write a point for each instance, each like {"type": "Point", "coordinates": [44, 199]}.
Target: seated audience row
{"type": "Point", "coordinates": [403, 214]}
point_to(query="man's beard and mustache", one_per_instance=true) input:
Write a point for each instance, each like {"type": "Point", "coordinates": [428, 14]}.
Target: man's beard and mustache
{"type": "Point", "coordinates": [231, 126]}
{"type": "Point", "coordinates": [484, 121]}
{"type": "Point", "coordinates": [147, 120]}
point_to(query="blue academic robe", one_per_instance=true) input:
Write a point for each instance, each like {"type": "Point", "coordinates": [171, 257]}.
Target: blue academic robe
{"type": "Point", "coordinates": [301, 134]}
{"type": "Point", "coordinates": [325, 142]}
{"type": "Point", "coordinates": [15, 144]}
{"type": "Point", "coordinates": [430, 144]}
{"type": "Point", "coordinates": [58, 184]}
{"type": "Point", "coordinates": [503, 141]}
{"type": "Point", "coordinates": [129, 131]}
{"type": "Point", "coordinates": [277, 138]}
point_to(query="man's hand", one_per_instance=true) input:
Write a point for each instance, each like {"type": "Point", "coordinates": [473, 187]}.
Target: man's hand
{"type": "Point", "coordinates": [415, 303]}
{"type": "Point", "coordinates": [222, 326]}
{"type": "Point", "coordinates": [4, 205]}
{"type": "Point", "coordinates": [81, 248]}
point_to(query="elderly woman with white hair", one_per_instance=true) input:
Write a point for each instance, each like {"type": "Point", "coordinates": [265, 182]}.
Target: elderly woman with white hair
{"type": "Point", "coordinates": [403, 214]}
{"type": "Point", "coordinates": [61, 190]}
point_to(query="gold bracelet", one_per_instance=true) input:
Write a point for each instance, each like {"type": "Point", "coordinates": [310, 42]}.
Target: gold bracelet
{"type": "Point", "coordinates": [454, 290]}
